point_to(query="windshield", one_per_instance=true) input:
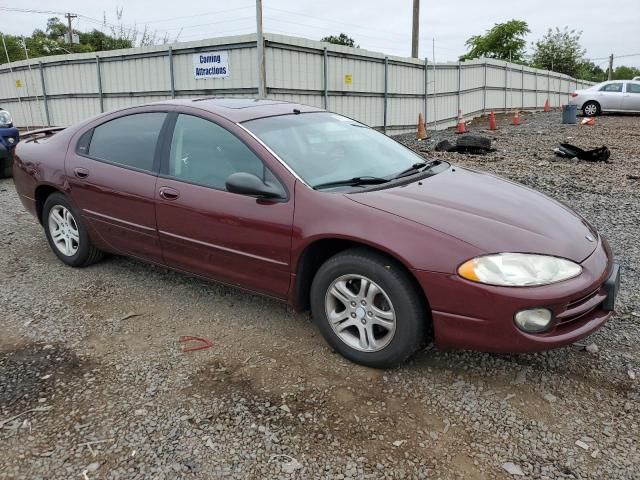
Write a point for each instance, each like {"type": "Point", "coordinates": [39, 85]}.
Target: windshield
{"type": "Point", "coordinates": [324, 147]}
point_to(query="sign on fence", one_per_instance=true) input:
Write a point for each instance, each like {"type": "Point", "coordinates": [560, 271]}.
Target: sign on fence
{"type": "Point", "coordinates": [211, 65]}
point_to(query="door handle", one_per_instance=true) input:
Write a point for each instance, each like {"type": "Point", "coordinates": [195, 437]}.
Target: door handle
{"type": "Point", "coordinates": [169, 193]}
{"type": "Point", "coordinates": [81, 172]}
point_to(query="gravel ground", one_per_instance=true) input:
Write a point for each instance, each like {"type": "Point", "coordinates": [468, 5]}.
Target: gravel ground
{"type": "Point", "coordinates": [93, 383]}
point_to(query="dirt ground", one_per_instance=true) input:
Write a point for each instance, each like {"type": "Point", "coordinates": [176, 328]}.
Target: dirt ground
{"type": "Point", "coordinates": [93, 383]}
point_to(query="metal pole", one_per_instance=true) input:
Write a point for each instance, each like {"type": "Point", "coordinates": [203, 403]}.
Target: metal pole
{"type": "Point", "coordinates": [415, 32]}
{"type": "Point", "coordinates": [262, 90]}
{"type": "Point", "coordinates": [99, 84]}
{"type": "Point", "coordinates": [426, 87]}
{"type": "Point", "coordinates": [325, 81]}
{"type": "Point", "coordinates": [171, 76]}
{"type": "Point", "coordinates": [459, 100]}
{"type": "Point", "coordinates": [549, 85]}
{"type": "Point", "coordinates": [522, 87]}
{"type": "Point", "coordinates": [484, 96]}
{"type": "Point", "coordinates": [536, 84]}
{"type": "Point", "coordinates": [44, 94]}
{"type": "Point", "coordinates": [506, 83]}
{"type": "Point", "coordinates": [435, 86]}
{"type": "Point", "coordinates": [386, 90]}
{"type": "Point", "coordinates": [610, 72]}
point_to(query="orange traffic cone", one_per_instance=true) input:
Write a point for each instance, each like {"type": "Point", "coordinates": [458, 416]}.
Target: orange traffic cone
{"type": "Point", "coordinates": [546, 106]}
{"type": "Point", "coordinates": [461, 127]}
{"type": "Point", "coordinates": [492, 121]}
{"type": "Point", "coordinates": [422, 132]}
{"type": "Point", "coordinates": [516, 118]}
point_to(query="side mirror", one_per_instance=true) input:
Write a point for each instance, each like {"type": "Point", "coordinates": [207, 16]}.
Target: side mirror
{"type": "Point", "coordinates": [248, 184]}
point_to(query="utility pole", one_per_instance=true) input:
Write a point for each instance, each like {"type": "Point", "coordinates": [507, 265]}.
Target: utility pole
{"type": "Point", "coordinates": [415, 34]}
{"type": "Point", "coordinates": [260, 40]}
{"type": "Point", "coordinates": [610, 74]}
{"type": "Point", "coordinates": [70, 16]}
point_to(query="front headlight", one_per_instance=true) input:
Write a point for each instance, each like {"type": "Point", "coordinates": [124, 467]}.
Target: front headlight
{"type": "Point", "coordinates": [518, 269]}
{"type": "Point", "coordinates": [5, 118]}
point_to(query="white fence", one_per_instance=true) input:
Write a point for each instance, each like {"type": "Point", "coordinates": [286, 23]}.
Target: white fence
{"type": "Point", "coordinates": [381, 91]}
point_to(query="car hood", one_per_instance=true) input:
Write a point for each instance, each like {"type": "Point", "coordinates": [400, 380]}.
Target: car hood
{"type": "Point", "coordinates": [490, 213]}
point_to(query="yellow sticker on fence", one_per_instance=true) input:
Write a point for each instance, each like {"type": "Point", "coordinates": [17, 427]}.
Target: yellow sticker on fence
{"type": "Point", "coordinates": [18, 83]}
{"type": "Point", "coordinates": [348, 79]}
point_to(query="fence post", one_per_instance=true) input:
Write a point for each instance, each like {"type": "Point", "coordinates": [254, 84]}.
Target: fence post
{"type": "Point", "coordinates": [484, 89]}
{"type": "Point", "coordinates": [386, 91]}
{"type": "Point", "coordinates": [325, 74]}
{"type": "Point", "coordinates": [536, 85]}
{"type": "Point", "coordinates": [171, 76]}
{"type": "Point", "coordinates": [522, 88]}
{"type": "Point", "coordinates": [459, 84]}
{"type": "Point", "coordinates": [99, 84]}
{"type": "Point", "coordinates": [426, 86]}
{"type": "Point", "coordinates": [44, 94]}
{"type": "Point", "coordinates": [506, 83]}
{"type": "Point", "coordinates": [549, 85]}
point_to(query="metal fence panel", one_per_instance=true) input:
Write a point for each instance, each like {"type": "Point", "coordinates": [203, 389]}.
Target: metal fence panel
{"type": "Point", "coordinates": [350, 81]}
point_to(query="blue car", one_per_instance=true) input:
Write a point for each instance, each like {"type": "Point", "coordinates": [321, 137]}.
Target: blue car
{"type": "Point", "coordinates": [9, 138]}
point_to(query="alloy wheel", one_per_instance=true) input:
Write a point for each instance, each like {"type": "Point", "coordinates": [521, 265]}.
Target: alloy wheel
{"type": "Point", "coordinates": [360, 313]}
{"type": "Point", "coordinates": [64, 230]}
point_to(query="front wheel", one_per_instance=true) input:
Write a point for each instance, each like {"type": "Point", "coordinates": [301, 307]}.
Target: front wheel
{"type": "Point", "coordinates": [591, 109]}
{"type": "Point", "coordinates": [67, 235]}
{"type": "Point", "coordinates": [368, 308]}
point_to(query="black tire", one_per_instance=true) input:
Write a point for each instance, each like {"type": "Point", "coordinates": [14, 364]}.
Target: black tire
{"type": "Point", "coordinates": [86, 253]}
{"type": "Point", "coordinates": [411, 312]}
{"type": "Point", "coordinates": [588, 104]}
{"type": "Point", "coordinates": [6, 165]}
{"type": "Point", "coordinates": [474, 141]}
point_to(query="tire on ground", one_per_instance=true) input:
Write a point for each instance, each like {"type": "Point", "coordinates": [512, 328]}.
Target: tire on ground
{"type": "Point", "coordinates": [413, 324]}
{"type": "Point", "coordinates": [87, 253]}
{"type": "Point", "coordinates": [474, 141]}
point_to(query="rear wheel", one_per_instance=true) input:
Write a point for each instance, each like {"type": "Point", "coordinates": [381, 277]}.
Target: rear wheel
{"type": "Point", "coordinates": [368, 308]}
{"type": "Point", "coordinates": [67, 235]}
{"type": "Point", "coordinates": [591, 109]}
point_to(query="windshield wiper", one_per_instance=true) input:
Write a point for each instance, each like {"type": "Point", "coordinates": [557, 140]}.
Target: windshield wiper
{"type": "Point", "coordinates": [416, 167]}
{"type": "Point", "coordinates": [355, 181]}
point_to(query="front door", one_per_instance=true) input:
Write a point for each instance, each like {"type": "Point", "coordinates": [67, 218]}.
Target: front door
{"type": "Point", "coordinates": [112, 177]}
{"type": "Point", "coordinates": [205, 229]}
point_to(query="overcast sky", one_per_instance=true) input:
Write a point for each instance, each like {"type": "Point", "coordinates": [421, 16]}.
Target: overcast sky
{"type": "Point", "coordinates": [385, 26]}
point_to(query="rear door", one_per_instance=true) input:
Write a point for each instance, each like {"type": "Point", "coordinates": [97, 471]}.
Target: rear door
{"type": "Point", "coordinates": [112, 172]}
{"type": "Point", "coordinates": [203, 228]}
{"type": "Point", "coordinates": [631, 99]}
{"type": "Point", "coordinates": [610, 96]}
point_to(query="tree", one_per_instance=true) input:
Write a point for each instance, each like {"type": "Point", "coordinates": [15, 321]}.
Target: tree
{"type": "Point", "coordinates": [587, 70]}
{"type": "Point", "coordinates": [625, 73]}
{"type": "Point", "coordinates": [560, 51]}
{"type": "Point", "coordinates": [503, 42]}
{"type": "Point", "coordinates": [342, 39]}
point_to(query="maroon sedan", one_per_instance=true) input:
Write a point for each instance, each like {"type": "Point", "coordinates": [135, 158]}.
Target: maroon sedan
{"type": "Point", "coordinates": [387, 249]}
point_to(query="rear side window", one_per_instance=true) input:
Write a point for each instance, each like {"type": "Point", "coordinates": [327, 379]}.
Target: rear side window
{"type": "Point", "coordinates": [633, 87]}
{"type": "Point", "coordinates": [612, 87]}
{"type": "Point", "coordinates": [129, 141]}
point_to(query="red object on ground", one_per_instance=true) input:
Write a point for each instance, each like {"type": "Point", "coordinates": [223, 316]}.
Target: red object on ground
{"type": "Point", "coordinates": [588, 121]}
{"type": "Point", "coordinates": [516, 119]}
{"type": "Point", "coordinates": [461, 128]}
{"type": "Point", "coordinates": [204, 343]}
{"type": "Point", "coordinates": [546, 106]}
{"type": "Point", "coordinates": [492, 122]}
{"type": "Point", "coordinates": [422, 132]}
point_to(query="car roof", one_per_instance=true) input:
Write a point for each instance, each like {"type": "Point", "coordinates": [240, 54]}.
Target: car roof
{"type": "Point", "coordinates": [243, 109]}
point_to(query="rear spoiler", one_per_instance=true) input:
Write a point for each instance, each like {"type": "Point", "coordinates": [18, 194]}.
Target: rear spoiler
{"type": "Point", "coordinates": [40, 133]}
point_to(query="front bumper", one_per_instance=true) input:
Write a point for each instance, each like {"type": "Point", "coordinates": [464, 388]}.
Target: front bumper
{"type": "Point", "coordinates": [473, 316]}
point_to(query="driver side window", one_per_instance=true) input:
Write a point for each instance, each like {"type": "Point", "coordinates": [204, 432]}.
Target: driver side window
{"type": "Point", "coordinates": [204, 153]}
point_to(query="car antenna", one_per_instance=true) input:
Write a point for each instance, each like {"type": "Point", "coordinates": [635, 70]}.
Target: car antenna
{"type": "Point", "coordinates": [296, 111]}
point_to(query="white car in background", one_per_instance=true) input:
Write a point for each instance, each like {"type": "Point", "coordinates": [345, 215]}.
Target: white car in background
{"type": "Point", "coordinates": [611, 96]}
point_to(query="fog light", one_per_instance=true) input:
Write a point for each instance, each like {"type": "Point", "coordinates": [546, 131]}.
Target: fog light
{"type": "Point", "coordinates": [534, 320]}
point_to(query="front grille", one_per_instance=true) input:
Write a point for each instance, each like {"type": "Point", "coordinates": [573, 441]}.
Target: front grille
{"type": "Point", "coordinates": [582, 306]}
